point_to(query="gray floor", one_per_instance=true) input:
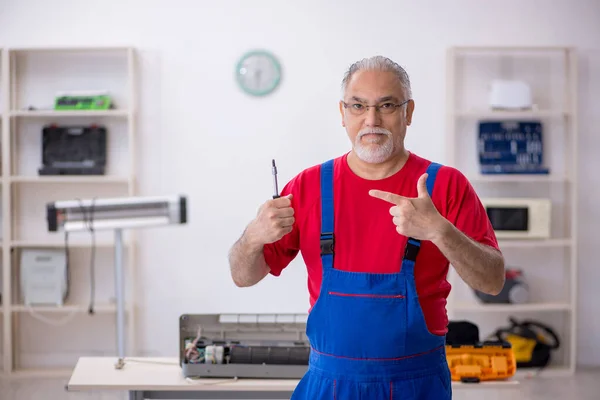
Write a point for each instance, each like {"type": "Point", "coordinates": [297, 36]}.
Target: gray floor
{"type": "Point", "coordinates": [585, 385]}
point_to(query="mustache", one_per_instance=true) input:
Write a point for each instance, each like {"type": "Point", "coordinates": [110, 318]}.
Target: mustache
{"type": "Point", "coordinates": [381, 131]}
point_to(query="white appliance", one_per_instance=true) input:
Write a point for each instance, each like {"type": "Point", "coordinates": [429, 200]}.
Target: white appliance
{"type": "Point", "coordinates": [519, 218]}
{"type": "Point", "coordinates": [44, 279]}
{"type": "Point", "coordinates": [510, 95]}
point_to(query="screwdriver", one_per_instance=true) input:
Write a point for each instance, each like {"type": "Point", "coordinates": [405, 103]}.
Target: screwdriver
{"type": "Point", "coordinates": [275, 186]}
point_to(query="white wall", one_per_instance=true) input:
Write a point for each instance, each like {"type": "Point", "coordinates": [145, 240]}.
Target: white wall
{"type": "Point", "coordinates": [200, 133]}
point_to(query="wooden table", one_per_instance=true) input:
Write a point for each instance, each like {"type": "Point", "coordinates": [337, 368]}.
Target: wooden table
{"type": "Point", "coordinates": [162, 378]}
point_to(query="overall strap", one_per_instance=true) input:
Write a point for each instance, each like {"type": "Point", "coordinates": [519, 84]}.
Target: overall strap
{"type": "Point", "coordinates": [327, 236]}
{"type": "Point", "coordinates": [413, 245]}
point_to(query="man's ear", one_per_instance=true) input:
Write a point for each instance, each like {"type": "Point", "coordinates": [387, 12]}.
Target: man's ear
{"type": "Point", "coordinates": [342, 113]}
{"type": "Point", "coordinates": [410, 107]}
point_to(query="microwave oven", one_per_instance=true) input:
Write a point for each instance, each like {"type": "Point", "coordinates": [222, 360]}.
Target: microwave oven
{"type": "Point", "coordinates": [519, 218]}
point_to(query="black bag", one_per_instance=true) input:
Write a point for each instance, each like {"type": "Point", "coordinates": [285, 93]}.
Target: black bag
{"type": "Point", "coordinates": [462, 333]}
{"type": "Point", "coordinates": [532, 342]}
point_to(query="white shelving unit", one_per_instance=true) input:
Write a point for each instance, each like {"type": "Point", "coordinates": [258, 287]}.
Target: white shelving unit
{"type": "Point", "coordinates": [46, 340]}
{"type": "Point", "coordinates": [549, 266]}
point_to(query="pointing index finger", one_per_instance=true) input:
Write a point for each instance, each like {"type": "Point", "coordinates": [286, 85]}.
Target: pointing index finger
{"type": "Point", "coordinates": [386, 196]}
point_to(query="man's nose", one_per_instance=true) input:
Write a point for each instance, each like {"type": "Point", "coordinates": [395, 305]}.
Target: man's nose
{"type": "Point", "coordinates": [372, 117]}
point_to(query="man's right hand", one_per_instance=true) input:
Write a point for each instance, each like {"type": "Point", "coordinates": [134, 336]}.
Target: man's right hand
{"type": "Point", "coordinates": [274, 220]}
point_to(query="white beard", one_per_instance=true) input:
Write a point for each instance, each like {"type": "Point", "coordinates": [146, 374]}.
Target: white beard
{"type": "Point", "coordinates": [376, 152]}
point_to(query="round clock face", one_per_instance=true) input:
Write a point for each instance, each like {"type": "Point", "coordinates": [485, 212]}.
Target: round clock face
{"type": "Point", "coordinates": [258, 73]}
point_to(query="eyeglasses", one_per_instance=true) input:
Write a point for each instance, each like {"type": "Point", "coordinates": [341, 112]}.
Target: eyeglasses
{"type": "Point", "coordinates": [385, 108]}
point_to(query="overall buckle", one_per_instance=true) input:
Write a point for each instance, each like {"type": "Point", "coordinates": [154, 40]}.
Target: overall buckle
{"type": "Point", "coordinates": [327, 243]}
{"type": "Point", "coordinates": [412, 249]}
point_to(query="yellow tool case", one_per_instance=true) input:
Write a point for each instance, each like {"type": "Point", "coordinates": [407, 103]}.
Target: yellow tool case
{"type": "Point", "coordinates": [472, 360]}
{"type": "Point", "coordinates": [481, 362]}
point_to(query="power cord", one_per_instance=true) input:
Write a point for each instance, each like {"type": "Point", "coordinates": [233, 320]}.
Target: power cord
{"type": "Point", "coordinates": [90, 226]}
{"type": "Point", "coordinates": [68, 263]}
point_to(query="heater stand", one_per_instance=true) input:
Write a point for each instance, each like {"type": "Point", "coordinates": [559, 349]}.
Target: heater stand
{"type": "Point", "coordinates": [117, 214]}
{"type": "Point", "coordinates": [120, 295]}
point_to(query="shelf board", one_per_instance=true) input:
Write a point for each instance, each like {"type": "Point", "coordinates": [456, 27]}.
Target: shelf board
{"type": "Point", "coordinates": [535, 243]}
{"type": "Point", "coordinates": [467, 306]}
{"type": "Point", "coordinates": [551, 371]}
{"type": "Point", "coordinates": [51, 244]}
{"type": "Point", "coordinates": [70, 179]}
{"type": "Point", "coordinates": [525, 114]}
{"type": "Point", "coordinates": [495, 49]}
{"type": "Point", "coordinates": [98, 308]}
{"type": "Point", "coordinates": [28, 373]}
{"type": "Point", "coordinates": [68, 113]}
{"type": "Point", "coordinates": [516, 178]}
{"type": "Point", "coordinates": [61, 49]}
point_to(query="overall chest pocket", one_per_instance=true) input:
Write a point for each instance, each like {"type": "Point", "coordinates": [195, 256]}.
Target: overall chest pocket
{"type": "Point", "coordinates": [364, 325]}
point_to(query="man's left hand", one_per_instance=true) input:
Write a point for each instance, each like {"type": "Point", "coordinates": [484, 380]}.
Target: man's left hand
{"type": "Point", "coordinates": [414, 217]}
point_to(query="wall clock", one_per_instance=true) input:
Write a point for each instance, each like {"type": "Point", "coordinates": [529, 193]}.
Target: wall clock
{"type": "Point", "coordinates": [258, 73]}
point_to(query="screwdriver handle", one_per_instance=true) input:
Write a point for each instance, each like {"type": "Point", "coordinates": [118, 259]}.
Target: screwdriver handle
{"type": "Point", "coordinates": [275, 185]}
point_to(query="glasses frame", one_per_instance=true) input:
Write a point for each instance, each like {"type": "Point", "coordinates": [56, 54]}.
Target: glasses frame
{"type": "Point", "coordinates": [377, 107]}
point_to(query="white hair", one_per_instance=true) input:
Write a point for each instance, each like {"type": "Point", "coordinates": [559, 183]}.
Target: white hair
{"type": "Point", "coordinates": [378, 63]}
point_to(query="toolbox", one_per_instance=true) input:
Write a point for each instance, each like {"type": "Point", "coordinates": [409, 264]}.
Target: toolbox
{"type": "Point", "coordinates": [473, 361]}
{"type": "Point", "coordinates": [485, 361]}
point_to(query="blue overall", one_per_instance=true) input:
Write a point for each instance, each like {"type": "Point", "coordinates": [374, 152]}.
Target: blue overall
{"type": "Point", "coordinates": [368, 335]}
